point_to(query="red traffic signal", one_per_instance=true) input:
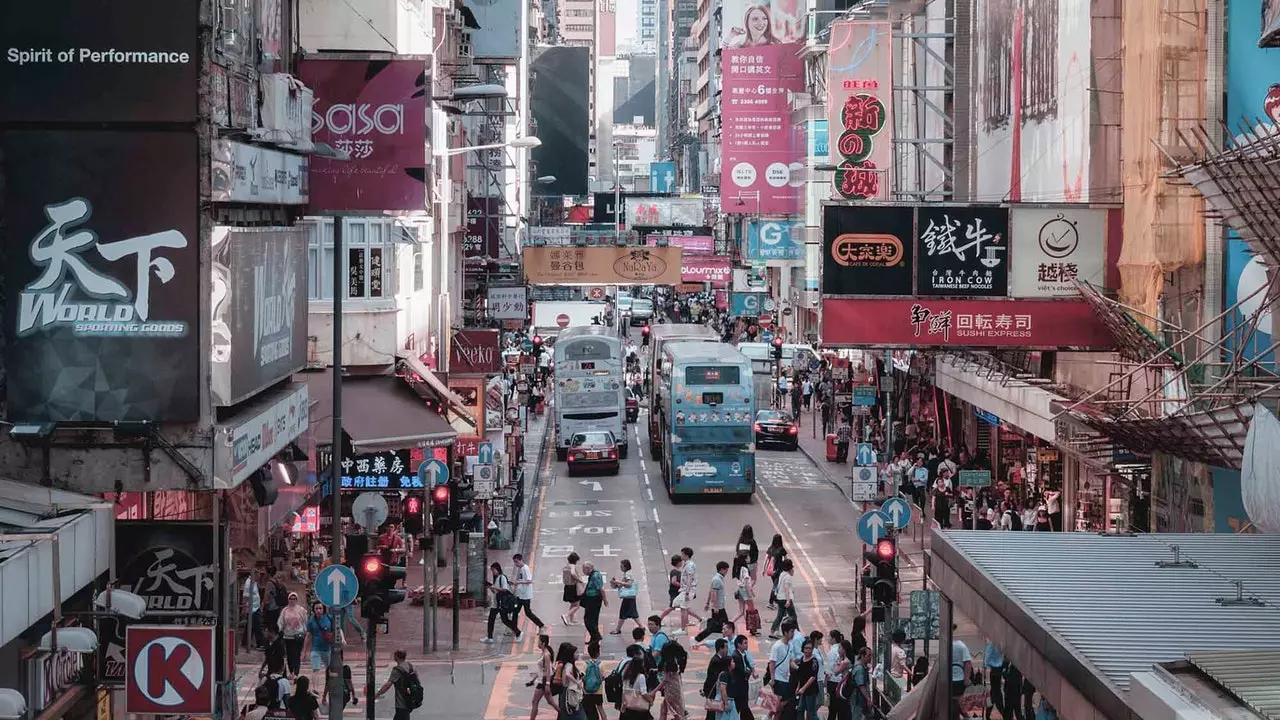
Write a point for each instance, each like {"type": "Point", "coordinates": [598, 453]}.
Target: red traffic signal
{"type": "Point", "coordinates": [777, 341]}
{"type": "Point", "coordinates": [537, 339]}
{"type": "Point", "coordinates": [886, 550]}
{"type": "Point", "coordinates": [413, 506]}
{"type": "Point", "coordinates": [645, 330]}
{"type": "Point", "coordinates": [440, 495]}
{"type": "Point", "coordinates": [371, 566]}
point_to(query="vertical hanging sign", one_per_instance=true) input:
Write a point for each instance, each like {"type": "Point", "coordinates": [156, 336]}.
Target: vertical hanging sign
{"type": "Point", "coordinates": [860, 66]}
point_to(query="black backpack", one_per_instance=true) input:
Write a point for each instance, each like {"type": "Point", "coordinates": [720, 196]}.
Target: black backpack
{"type": "Point", "coordinates": [613, 685]}
{"type": "Point", "coordinates": [674, 657]}
{"type": "Point", "coordinates": [280, 593]}
{"type": "Point", "coordinates": [411, 687]}
{"type": "Point", "coordinates": [1016, 520]}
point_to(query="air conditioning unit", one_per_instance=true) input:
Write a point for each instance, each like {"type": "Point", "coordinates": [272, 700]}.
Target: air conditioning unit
{"type": "Point", "coordinates": [286, 109]}
{"type": "Point", "coordinates": [466, 50]}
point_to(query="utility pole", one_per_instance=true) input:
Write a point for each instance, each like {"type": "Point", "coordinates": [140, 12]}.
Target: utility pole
{"type": "Point", "coordinates": [336, 697]}
{"type": "Point", "coordinates": [617, 198]}
{"type": "Point", "coordinates": [428, 561]}
{"type": "Point", "coordinates": [457, 618]}
{"type": "Point", "coordinates": [888, 415]}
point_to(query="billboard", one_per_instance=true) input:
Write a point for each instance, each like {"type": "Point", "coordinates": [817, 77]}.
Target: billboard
{"type": "Point", "coordinates": [859, 86]}
{"type": "Point", "coordinates": [761, 64]}
{"type": "Point", "coordinates": [928, 322]}
{"type": "Point", "coordinates": [171, 565]}
{"type": "Point", "coordinates": [1252, 93]}
{"type": "Point", "coordinates": [704, 269]}
{"type": "Point", "coordinates": [602, 266]}
{"type": "Point", "coordinates": [603, 212]}
{"type": "Point", "coordinates": [258, 309]}
{"type": "Point", "coordinates": [690, 244]}
{"type": "Point", "coordinates": [75, 61]}
{"type": "Point", "coordinates": [375, 110]}
{"type": "Point", "coordinates": [103, 307]}
{"type": "Point", "coordinates": [1053, 246]}
{"type": "Point", "coordinates": [665, 212]}
{"type": "Point", "coordinates": [962, 250]}
{"type": "Point", "coordinates": [868, 250]}
{"type": "Point", "coordinates": [559, 103]}
{"type": "Point", "coordinates": [484, 228]}
{"type": "Point", "coordinates": [474, 352]}
{"type": "Point", "coordinates": [774, 240]}
{"type": "Point", "coordinates": [497, 37]}
{"type": "Point", "coordinates": [507, 303]}
{"type": "Point", "coordinates": [662, 177]}
{"type": "Point", "coordinates": [749, 304]}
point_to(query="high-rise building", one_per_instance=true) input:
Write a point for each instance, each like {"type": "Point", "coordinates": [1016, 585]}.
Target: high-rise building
{"type": "Point", "coordinates": [647, 26]}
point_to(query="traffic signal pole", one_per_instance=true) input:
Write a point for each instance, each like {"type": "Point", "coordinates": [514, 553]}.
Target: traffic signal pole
{"type": "Point", "coordinates": [457, 618]}
{"type": "Point", "coordinates": [370, 691]}
{"type": "Point", "coordinates": [334, 680]}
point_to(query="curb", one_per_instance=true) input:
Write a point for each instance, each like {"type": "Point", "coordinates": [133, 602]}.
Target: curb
{"type": "Point", "coordinates": [530, 505]}
{"type": "Point", "coordinates": [820, 464]}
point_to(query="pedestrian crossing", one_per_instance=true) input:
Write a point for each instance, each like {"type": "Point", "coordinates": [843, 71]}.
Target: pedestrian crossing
{"type": "Point", "coordinates": [247, 681]}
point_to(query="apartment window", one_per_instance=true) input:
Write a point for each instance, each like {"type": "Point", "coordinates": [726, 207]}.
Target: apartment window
{"type": "Point", "coordinates": [367, 251]}
{"type": "Point", "coordinates": [419, 263]}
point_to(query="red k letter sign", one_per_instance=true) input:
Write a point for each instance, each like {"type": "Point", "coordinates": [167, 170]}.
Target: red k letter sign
{"type": "Point", "coordinates": [169, 670]}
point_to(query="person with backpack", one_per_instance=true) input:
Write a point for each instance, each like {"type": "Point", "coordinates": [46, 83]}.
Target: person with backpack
{"type": "Point", "coordinates": [504, 604]}
{"type": "Point", "coordinates": [273, 686]}
{"type": "Point", "coordinates": [275, 598]}
{"type": "Point", "coordinates": [321, 635]}
{"type": "Point", "coordinates": [593, 685]}
{"type": "Point", "coordinates": [570, 682]}
{"type": "Point", "coordinates": [409, 691]}
{"type": "Point", "coordinates": [593, 598]}
{"type": "Point", "coordinates": [842, 685]}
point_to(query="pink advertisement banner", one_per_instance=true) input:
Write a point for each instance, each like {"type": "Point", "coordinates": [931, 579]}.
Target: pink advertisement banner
{"type": "Point", "coordinates": [375, 111]}
{"type": "Point", "coordinates": [761, 163]}
{"type": "Point", "coordinates": [859, 85]}
{"type": "Point", "coordinates": [715, 270]}
{"type": "Point", "coordinates": [696, 244]}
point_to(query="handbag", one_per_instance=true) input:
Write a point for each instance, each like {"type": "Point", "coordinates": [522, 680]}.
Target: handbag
{"type": "Point", "coordinates": [769, 700]}
{"type": "Point", "coordinates": [628, 591]}
{"type": "Point", "coordinates": [635, 701]}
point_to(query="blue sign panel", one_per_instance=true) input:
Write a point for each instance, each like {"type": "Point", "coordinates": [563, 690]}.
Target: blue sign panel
{"type": "Point", "coordinates": [484, 453]}
{"type": "Point", "coordinates": [872, 526]}
{"type": "Point", "coordinates": [818, 147]}
{"type": "Point", "coordinates": [898, 511]}
{"type": "Point", "coordinates": [747, 304]}
{"type": "Point", "coordinates": [662, 177]}
{"type": "Point", "coordinates": [433, 472]}
{"type": "Point", "coordinates": [866, 455]}
{"type": "Point", "coordinates": [336, 586]}
{"type": "Point", "coordinates": [774, 240]}
{"type": "Point", "coordinates": [986, 417]}
{"type": "Point", "coordinates": [1252, 93]}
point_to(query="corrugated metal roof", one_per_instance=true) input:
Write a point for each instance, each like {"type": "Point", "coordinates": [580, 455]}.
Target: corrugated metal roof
{"type": "Point", "coordinates": [1253, 677]}
{"type": "Point", "coordinates": [1108, 601]}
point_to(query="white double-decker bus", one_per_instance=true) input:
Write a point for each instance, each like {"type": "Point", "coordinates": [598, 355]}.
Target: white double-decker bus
{"type": "Point", "coordinates": [590, 392]}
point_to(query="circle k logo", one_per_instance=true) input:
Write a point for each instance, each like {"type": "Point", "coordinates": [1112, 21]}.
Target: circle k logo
{"type": "Point", "coordinates": [169, 671]}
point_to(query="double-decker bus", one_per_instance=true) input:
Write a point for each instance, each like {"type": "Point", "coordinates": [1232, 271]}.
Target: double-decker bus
{"type": "Point", "coordinates": [659, 337]}
{"type": "Point", "coordinates": [590, 391]}
{"type": "Point", "coordinates": [707, 421]}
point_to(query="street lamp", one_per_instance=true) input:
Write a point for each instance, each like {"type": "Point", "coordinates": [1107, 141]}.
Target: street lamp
{"type": "Point", "coordinates": [521, 143]}
{"type": "Point", "coordinates": [485, 91]}
{"type": "Point", "coordinates": [546, 179]}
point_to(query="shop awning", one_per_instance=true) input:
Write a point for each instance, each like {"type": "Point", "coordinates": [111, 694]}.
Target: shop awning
{"type": "Point", "coordinates": [419, 368]}
{"type": "Point", "coordinates": [1020, 403]}
{"type": "Point", "coordinates": [379, 412]}
{"type": "Point", "coordinates": [85, 528]}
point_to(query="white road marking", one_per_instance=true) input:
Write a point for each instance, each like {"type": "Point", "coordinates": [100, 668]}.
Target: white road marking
{"type": "Point", "coordinates": [655, 516]}
{"type": "Point", "coordinates": [642, 599]}
{"type": "Point", "coordinates": [648, 491]}
{"type": "Point", "coordinates": [794, 538]}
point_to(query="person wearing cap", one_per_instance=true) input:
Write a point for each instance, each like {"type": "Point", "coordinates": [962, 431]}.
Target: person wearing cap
{"type": "Point", "coordinates": [293, 627]}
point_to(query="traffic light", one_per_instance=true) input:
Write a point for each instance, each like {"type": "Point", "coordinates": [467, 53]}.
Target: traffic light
{"type": "Point", "coordinates": [537, 345]}
{"type": "Point", "coordinates": [440, 501]}
{"type": "Point", "coordinates": [378, 590]}
{"type": "Point", "coordinates": [881, 575]}
{"type": "Point", "coordinates": [644, 335]}
{"type": "Point", "coordinates": [777, 347]}
{"type": "Point", "coordinates": [413, 522]}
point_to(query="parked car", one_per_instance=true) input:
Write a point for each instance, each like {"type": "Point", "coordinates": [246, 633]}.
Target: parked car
{"type": "Point", "coordinates": [633, 405]}
{"type": "Point", "coordinates": [595, 449]}
{"type": "Point", "coordinates": [774, 426]}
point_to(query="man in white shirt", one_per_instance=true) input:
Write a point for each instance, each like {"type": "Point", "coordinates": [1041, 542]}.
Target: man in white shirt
{"type": "Point", "coordinates": [251, 596]}
{"type": "Point", "coordinates": [780, 658]}
{"type": "Point", "coordinates": [961, 666]}
{"type": "Point", "coordinates": [715, 604]}
{"type": "Point", "coordinates": [524, 591]}
{"type": "Point", "coordinates": [688, 588]}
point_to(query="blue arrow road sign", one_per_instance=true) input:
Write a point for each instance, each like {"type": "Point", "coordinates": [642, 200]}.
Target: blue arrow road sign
{"type": "Point", "coordinates": [336, 586]}
{"type": "Point", "coordinates": [433, 472]}
{"type": "Point", "coordinates": [872, 526]}
{"type": "Point", "coordinates": [866, 456]}
{"type": "Point", "coordinates": [898, 511]}
{"type": "Point", "coordinates": [484, 453]}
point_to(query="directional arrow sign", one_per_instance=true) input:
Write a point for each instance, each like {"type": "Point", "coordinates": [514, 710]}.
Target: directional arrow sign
{"type": "Point", "coordinates": [336, 586]}
{"type": "Point", "coordinates": [484, 451]}
{"type": "Point", "coordinates": [433, 472]}
{"type": "Point", "coordinates": [898, 511]}
{"type": "Point", "coordinates": [595, 486]}
{"type": "Point", "coordinates": [872, 526]}
{"type": "Point", "coordinates": [866, 455]}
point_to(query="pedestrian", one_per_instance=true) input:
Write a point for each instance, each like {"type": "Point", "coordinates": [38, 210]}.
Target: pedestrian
{"type": "Point", "coordinates": [593, 598]}
{"type": "Point", "coordinates": [748, 551]}
{"type": "Point", "coordinates": [637, 698]}
{"type": "Point", "coordinates": [572, 580]}
{"type": "Point", "coordinates": [408, 687]}
{"type": "Point", "coordinates": [673, 584]}
{"type": "Point", "coordinates": [715, 689]}
{"type": "Point", "coordinates": [861, 702]}
{"type": "Point", "coordinates": [275, 596]}
{"type": "Point", "coordinates": [251, 605]}
{"type": "Point", "coordinates": [858, 635]}
{"type": "Point", "coordinates": [740, 674]}
{"type": "Point", "coordinates": [898, 669]}
{"type": "Point", "coordinates": [522, 586]}
{"type": "Point", "coordinates": [293, 628]}
{"type": "Point", "coordinates": [541, 680]}
{"type": "Point", "coordinates": [593, 684]}
{"type": "Point", "coordinates": [807, 388]}
{"type": "Point", "coordinates": [321, 633]}
{"type": "Point", "coordinates": [627, 588]}
{"type": "Point", "coordinates": [824, 407]}
{"type": "Point", "coordinates": [1012, 695]}
{"type": "Point", "coordinates": [785, 598]}
{"type": "Point", "coordinates": [942, 492]}
{"type": "Point", "coordinates": [503, 603]}
{"type": "Point", "coordinates": [815, 637]}
{"type": "Point", "coordinates": [837, 665]}
{"type": "Point", "coordinates": [275, 653]}
{"type": "Point", "coordinates": [572, 687]}
{"type": "Point", "coordinates": [844, 434]}
{"type": "Point", "coordinates": [962, 671]}
{"type": "Point", "coordinates": [273, 685]}
{"type": "Point", "coordinates": [746, 596]}
{"type": "Point", "coordinates": [805, 676]}
{"type": "Point", "coordinates": [780, 657]}
{"type": "Point", "coordinates": [772, 566]}
{"type": "Point", "coordinates": [688, 590]}
{"type": "Point", "coordinates": [715, 604]}
{"type": "Point", "coordinates": [303, 704]}
{"type": "Point", "coordinates": [993, 661]}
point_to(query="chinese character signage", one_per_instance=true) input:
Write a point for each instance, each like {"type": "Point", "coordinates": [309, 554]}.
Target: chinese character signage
{"type": "Point", "coordinates": [859, 78]}
{"type": "Point", "coordinates": [507, 303]}
{"type": "Point", "coordinates": [1054, 247]}
{"type": "Point", "coordinates": [101, 275]}
{"type": "Point", "coordinates": [376, 112]}
{"type": "Point", "coordinates": [774, 240]}
{"type": "Point", "coordinates": [379, 471]}
{"type": "Point", "coordinates": [602, 265]}
{"type": "Point", "coordinates": [761, 65]}
{"type": "Point", "coordinates": [930, 322]}
{"type": "Point", "coordinates": [868, 250]}
{"type": "Point", "coordinates": [484, 228]}
{"type": "Point", "coordinates": [962, 251]}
